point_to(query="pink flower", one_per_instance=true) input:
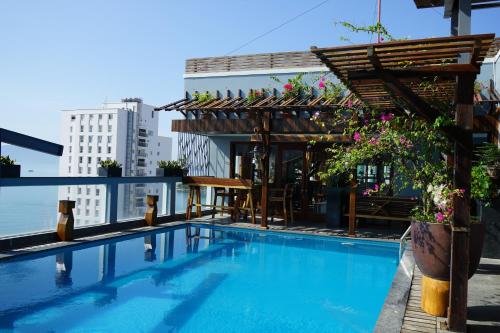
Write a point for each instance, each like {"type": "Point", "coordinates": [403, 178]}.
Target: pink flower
{"type": "Point", "coordinates": [323, 79]}
{"type": "Point", "coordinates": [376, 187]}
{"type": "Point", "coordinates": [288, 86]}
{"type": "Point", "coordinates": [357, 136]}
{"type": "Point", "coordinates": [449, 210]}
{"type": "Point", "coordinates": [439, 217]}
{"type": "Point", "coordinates": [366, 193]}
{"type": "Point", "coordinates": [321, 85]}
{"type": "Point", "coordinates": [387, 117]}
{"type": "Point", "coordinates": [462, 191]}
{"type": "Point", "coordinates": [373, 141]}
{"type": "Point", "coordinates": [349, 103]}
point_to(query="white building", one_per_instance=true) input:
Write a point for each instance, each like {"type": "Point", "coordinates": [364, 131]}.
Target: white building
{"type": "Point", "coordinates": [126, 132]}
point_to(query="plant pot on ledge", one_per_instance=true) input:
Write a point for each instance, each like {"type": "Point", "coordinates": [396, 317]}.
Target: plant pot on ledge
{"type": "Point", "coordinates": [163, 172]}
{"type": "Point", "coordinates": [109, 172]}
{"type": "Point", "coordinates": [431, 244]}
{"type": "Point", "coordinates": [10, 171]}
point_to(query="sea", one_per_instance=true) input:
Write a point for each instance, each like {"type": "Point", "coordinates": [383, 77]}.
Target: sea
{"type": "Point", "coordinates": [25, 210]}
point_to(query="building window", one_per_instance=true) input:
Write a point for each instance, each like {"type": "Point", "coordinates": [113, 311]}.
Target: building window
{"type": "Point", "coordinates": [69, 159]}
{"type": "Point", "coordinates": [79, 170]}
{"type": "Point", "coordinates": [87, 213]}
{"type": "Point", "coordinates": [81, 149]}
{"type": "Point", "coordinates": [97, 192]}
{"type": "Point", "coordinates": [79, 201]}
{"type": "Point", "coordinates": [109, 138]}
{"type": "Point", "coordinates": [73, 117]}
{"type": "Point", "coordinates": [70, 139]}
{"type": "Point", "coordinates": [100, 116]}
{"type": "Point", "coordinates": [89, 170]}
{"type": "Point", "coordinates": [97, 203]}
{"type": "Point", "coordinates": [70, 149]}
{"type": "Point", "coordinates": [89, 160]}
{"type": "Point", "coordinates": [87, 190]}
{"type": "Point", "coordinates": [90, 138]}
{"type": "Point", "coordinates": [78, 211]}
{"type": "Point", "coordinates": [71, 129]}
{"type": "Point", "coordinates": [110, 128]}
{"type": "Point", "coordinates": [100, 128]}
{"type": "Point", "coordinates": [91, 117]}
{"type": "Point", "coordinates": [69, 169]}
{"type": "Point", "coordinates": [80, 159]}
{"type": "Point", "coordinates": [90, 128]}
{"type": "Point", "coordinates": [81, 138]}
{"type": "Point", "coordinates": [99, 138]}
{"type": "Point", "coordinates": [109, 150]}
{"type": "Point", "coordinates": [96, 213]}
{"type": "Point", "coordinates": [110, 116]}
{"type": "Point", "coordinates": [99, 159]}
{"type": "Point", "coordinates": [152, 114]}
{"type": "Point", "coordinates": [87, 202]}
{"type": "Point", "coordinates": [69, 189]}
{"type": "Point", "coordinates": [99, 149]}
{"type": "Point", "coordinates": [81, 128]}
{"type": "Point", "coordinates": [90, 149]}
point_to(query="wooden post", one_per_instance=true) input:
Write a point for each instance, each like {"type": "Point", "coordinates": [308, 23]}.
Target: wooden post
{"type": "Point", "coordinates": [66, 223]}
{"type": "Point", "coordinates": [352, 209]}
{"type": "Point", "coordinates": [459, 266]}
{"type": "Point", "coordinates": [151, 216]}
{"type": "Point", "coordinates": [266, 144]}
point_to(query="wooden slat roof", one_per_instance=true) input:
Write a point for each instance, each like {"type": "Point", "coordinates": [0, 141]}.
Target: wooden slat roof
{"type": "Point", "coordinates": [439, 3]}
{"type": "Point", "coordinates": [414, 62]}
{"type": "Point", "coordinates": [265, 102]}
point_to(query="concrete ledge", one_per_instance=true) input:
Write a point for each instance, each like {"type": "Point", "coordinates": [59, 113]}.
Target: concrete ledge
{"type": "Point", "coordinates": [22, 241]}
{"type": "Point", "coordinates": [392, 314]}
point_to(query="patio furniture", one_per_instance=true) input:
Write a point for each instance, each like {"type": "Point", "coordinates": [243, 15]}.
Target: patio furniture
{"type": "Point", "coordinates": [384, 207]}
{"type": "Point", "coordinates": [282, 198]}
{"type": "Point", "coordinates": [242, 187]}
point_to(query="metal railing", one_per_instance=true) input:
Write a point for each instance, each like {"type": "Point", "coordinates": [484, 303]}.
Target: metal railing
{"type": "Point", "coordinates": [402, 242]}
{"type": "Point", "coordinates": [166, 205]}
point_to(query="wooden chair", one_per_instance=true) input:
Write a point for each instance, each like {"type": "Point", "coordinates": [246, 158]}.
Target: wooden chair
{"type": "Point", "coordinates": [282, 198]}
{"type": "Point", "coordinates": [220, 192]}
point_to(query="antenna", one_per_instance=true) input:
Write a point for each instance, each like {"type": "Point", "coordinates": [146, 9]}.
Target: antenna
{"type": "Point", "coordinates": [378, 20]}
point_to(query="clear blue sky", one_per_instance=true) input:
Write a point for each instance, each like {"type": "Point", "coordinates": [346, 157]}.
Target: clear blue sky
{"type": "Point", "coordinates": [59, 54]}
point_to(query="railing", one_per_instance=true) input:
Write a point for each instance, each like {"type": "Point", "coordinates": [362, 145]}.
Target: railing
{"type": "Point", "coordinates": [142, 144]}
{"type": "Point", "coordinates": [402, 242]}
{"type": "Point", "coordinates": [166, 205]}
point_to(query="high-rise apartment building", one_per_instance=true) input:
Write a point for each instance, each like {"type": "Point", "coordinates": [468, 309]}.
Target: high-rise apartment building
{"type": "Point", "coordinates": [127, 132]}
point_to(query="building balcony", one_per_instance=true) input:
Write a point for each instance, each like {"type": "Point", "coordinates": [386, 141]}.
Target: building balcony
{"type": "Point", "coordinates": [141, 164]}
{"type": "Point", "coordinates": [143, 132]}
{"type": "Point", "coordinates": [142, 144]}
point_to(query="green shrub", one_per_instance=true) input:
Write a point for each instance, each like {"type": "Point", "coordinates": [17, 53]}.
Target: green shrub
{"type": "Point", "coordinates": [110, 164]}
{"type": "Point", "coordinates": [5, 160]}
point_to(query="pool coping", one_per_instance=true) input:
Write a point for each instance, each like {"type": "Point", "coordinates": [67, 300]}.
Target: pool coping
{"type": "Point", "coordinates": [393, 311]}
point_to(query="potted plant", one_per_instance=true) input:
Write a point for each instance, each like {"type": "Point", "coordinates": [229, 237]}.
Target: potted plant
{"type": "Point", "coordinates": [8, 168]}
{"type": "Point", "coordinates": [170, 169]}
{"type": "Point", "coordinates": [109, 168]}
{"type": "Point", "coordinates": [489, 155]}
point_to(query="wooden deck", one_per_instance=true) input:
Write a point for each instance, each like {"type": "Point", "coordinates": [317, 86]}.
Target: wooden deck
{"type": "Point", "coordinates": [415, 319]}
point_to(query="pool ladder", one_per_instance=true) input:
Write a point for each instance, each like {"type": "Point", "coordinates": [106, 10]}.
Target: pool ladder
{"type": "Point", "coordinates": [402, 242]}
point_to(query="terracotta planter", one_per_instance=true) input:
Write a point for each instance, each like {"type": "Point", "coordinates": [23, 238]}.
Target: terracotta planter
{"type": "Point", "coordinates": [109, 172]}
{"type": "Point", "coordinates": [431, 243]}
{"type": "Point", "coordinates": [161, 172]}
{"type": "Point", "coordinates": [10, 171]}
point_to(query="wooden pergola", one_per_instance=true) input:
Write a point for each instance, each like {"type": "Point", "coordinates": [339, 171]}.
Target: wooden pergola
{"type": "Point", "coordinates": [272, 117]}
{"type": "Point", "coordinates": [393, 76]}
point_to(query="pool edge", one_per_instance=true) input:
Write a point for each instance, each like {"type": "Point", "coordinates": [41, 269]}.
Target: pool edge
{"type": "Point", "coordinates": [393, 311]}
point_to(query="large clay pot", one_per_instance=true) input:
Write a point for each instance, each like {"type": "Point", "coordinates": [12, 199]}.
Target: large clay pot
{"type": "Point", "coordinates": [431, 243]}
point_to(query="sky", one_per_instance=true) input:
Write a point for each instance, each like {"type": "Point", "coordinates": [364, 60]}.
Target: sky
{"type": "Point", "coordinates": [59, 54]}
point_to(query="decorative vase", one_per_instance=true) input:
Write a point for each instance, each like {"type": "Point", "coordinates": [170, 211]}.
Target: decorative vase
{"type": "Point", "coordinates": [109, 172]}
{"type": "Point", "coordinates": [10, 171]}
{"type": "Point", "coordinates": [431, 243]}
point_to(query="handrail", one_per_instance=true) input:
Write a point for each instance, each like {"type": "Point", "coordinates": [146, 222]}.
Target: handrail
{"type": "Point", "coordinates": [111, 188]}
{"type": "Point", "coordinates": [402, 242]}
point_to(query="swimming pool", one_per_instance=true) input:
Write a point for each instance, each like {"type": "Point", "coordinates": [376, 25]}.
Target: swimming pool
{"type": "Point", "coordinates": [200, 279]}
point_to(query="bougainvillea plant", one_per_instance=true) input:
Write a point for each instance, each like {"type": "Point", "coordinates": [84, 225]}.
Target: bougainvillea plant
{"type": "Point", "coordinates": [412, 146]}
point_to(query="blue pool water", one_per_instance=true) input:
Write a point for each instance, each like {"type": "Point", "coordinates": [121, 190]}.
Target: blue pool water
{"type": "Point", "coordinates": [201, 279]}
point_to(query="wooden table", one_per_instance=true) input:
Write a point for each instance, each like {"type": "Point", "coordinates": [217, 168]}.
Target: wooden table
{"type": "Point", "coordinates": [238, 184]}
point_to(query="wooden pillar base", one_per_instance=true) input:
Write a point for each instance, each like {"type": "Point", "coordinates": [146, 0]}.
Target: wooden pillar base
{"type": "Point", "coordinates": [66, 223]}
{"type": "Point", "coordinates": [435, 296]}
